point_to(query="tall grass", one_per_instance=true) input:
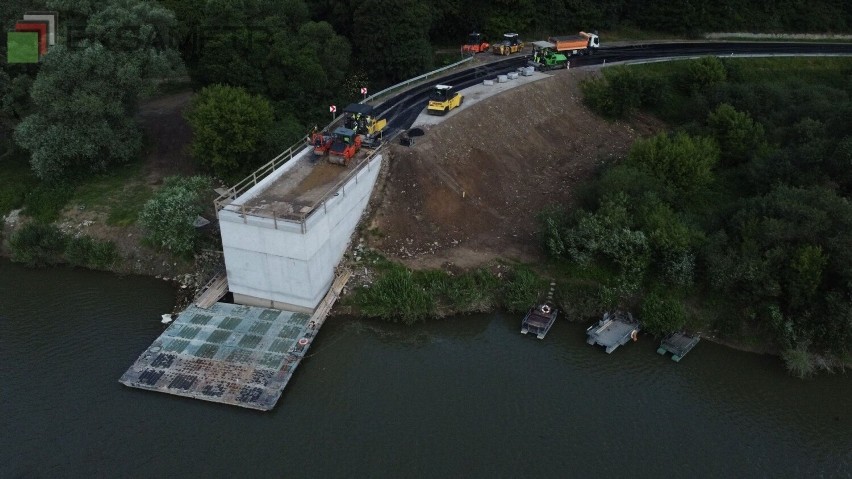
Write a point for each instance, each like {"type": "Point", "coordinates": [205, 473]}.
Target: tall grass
{"type": "Point", "coordinates": [397, 297]}
{"type": "Point", "coordinates": [401, 295]}
{"type": "Point", "coordinates": [39, 244]}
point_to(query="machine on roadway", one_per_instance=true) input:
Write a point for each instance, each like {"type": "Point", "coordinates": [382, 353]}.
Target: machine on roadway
{"type": "Point", "coordinates": [345, 144]}
{"type": "Point", "coordinates": [475, 44]}
{"type": "Point", "coordinates": [545, 57]}
{"type": "Point", "coordinates": [510, 44]}
{"type": "Point", "coordinates": [582, 44]}
{"type": "Point", "coordinates": [443, 99]}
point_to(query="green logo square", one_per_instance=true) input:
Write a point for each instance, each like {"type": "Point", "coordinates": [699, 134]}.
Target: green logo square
{"type": "Point", "coordinates": [22, 47]}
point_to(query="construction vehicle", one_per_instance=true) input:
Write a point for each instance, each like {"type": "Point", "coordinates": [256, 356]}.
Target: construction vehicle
{"type": "Point", "coordinates": [320, 141]}
{"type": "Point", "coordinates": [475, 44]}
{"type": "Point", "coordinates": [345, 144]}
{"type": "Point", "coordinates": [362, 119]}
{"type": "Point", "coordinates": [582, 44]}
{"type": "Point", "coordinates": [545, 57]}
{"type": "Point", "coordinates": [443, 99]}
{"type": "Point", "coordinates": [510, 44]}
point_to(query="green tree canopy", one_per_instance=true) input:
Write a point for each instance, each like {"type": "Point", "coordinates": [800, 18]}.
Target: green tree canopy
{"type": "Point", "coordinates": [739, 137]}
{"type": "Point", "coordinates": [168, 217]}
{"type": "Point", "coordinates": [229, 126]}
{"type": "Point", "coordinates": [683, 163]}
{"type": "Point", "coordinates": [392, 38]}
{"type": "Point", "coordinates": [84, 98]}
{"type": "Point", "coordinates": [82, 119]}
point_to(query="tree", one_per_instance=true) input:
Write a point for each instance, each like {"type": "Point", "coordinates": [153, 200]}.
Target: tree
{"type": "Point", "coordinates": [228, 126]}
{"type": "Point", "coordinates": [740, 138]}
{"type": "Point", "coordinates": [168, 217]}
{"type": "Point", "coordinates": [83, 112]}
{"type": "Point", "coordinates": [662, 314]}
{"type": "Point", "coordinates": [683, 163]}
{"type": "Point", "coordinates": [84, 98]}
{"type": "Point", "coordinates": [391, 38]}
{"type": "Point", "coordinates": [703, 74]}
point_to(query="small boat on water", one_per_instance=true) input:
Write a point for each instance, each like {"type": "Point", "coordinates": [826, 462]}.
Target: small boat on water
{"type": "Point", "coordinates": [679, 344]}
{"type": "Point", "coordinates": [613, 330]}
{"type": "Point", "coordinates": [539, 319]}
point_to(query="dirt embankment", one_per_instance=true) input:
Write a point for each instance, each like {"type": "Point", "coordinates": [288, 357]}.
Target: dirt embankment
{"type": "Point", "coordinates": [469, 190]}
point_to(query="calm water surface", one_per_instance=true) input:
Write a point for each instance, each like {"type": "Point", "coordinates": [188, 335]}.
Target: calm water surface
{"type": "Point", "coordinates": [468, 397]}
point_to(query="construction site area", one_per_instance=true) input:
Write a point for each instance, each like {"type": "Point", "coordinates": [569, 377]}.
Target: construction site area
{"type": "Point", "coordinates": [468, 191]}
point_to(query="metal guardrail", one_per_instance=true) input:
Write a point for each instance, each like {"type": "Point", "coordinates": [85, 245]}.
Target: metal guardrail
{"type": "Point", "coordinates": [259, 174]}
{"type": "Point", "coordinates": [415, 79]}
{"type": "Point", "coordinates": [299, 218]}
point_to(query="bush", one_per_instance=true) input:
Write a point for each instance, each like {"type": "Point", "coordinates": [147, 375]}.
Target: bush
{"type": "Point", "coordinates": [46, 201]}
{"type": "Point", "coordinates": [662, 314]}
{"type": "Point", "coordinates": [618, 93]}
{"type": "Point", "coordinates": [799, 362]}
{"type": "Point", "coordinates": [681, 162]}
{"type": "Point", "coordinates": [703, 74]}
{"type": "Point", "coordinates": [168, 217]}
{"type": "Point", "coordinates": [88, 252]}
{"type": "Point", "coordinates": [38, 244]}
{"type": "Point", "coordinates": [228, 126]}
{"type": "Point", "coordinates": [396, 296]}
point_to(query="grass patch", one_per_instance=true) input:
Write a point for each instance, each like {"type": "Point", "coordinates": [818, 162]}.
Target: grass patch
{"type": "Point", "coordinates": [401, 295]}
{"type": "Point", "coordinates": [119, 194]}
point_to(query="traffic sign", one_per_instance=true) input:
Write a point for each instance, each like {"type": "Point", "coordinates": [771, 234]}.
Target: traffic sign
{"type": "Point", "coordinates": [332, 108]}
{"type": "Point", "coordinates": [363, 90]}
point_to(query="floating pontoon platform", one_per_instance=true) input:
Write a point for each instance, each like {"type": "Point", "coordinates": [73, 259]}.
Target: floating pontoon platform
{"type": "Point", "coordinates": [539, 320]}
{"type": "Point", "coordinates": [229, 353]}
{"type": "Point", "coordinates": [678, 344]}
{"type": "Point", "coordinates": [613, 330]}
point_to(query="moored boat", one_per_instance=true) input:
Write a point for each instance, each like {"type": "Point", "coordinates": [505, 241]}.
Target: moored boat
{"type": "Point", "coordinates": [539, 319]}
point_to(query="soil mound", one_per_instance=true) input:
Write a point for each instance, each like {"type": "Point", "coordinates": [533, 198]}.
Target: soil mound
{"type": "Point", "coordinates": [469, 191]}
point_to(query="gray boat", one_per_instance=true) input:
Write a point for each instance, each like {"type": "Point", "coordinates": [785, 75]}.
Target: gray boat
{"type": "Point", "coordinates": [613, 330]}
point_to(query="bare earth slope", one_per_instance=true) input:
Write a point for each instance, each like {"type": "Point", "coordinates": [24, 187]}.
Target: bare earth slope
{"type": "Point", "coordinates": [469, 190]}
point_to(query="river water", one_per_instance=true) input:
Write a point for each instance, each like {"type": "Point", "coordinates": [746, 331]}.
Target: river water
{"type": "Point", "coordinates": [467, 397]}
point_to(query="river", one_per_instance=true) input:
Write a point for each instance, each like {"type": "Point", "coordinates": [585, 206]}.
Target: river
{"type": "Point", "coordinates": [466, 397]}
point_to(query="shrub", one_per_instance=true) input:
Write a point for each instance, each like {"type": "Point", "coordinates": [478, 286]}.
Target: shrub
{"type": "Point", "coordinates": [46, 201]}
{"type": "Point", "coordinates": [87, 252]}
{"type": "Point", "coordinates": [703, 74]}
{"type": "Point", "coordinates": [662, 314]}
{"type": "Point", "coordinates": [168, 217]}
{"type": "Point", "coordinates": [396, 296]}
{"type": "Point", "coordinates": [228, 125]}
{"type": "Point", "coordinates": [799, 361]}
{"type": "Point", "coordinates": [37, 244]}
{"type": "Point", "coordinates": [618, 93]}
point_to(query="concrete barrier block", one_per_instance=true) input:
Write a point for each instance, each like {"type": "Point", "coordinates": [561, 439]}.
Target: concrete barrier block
{"type": "Point", "coordinates": [512, 75]}
{"type": "Point", "coordinates": [488, 82]}
{"type": "Point", "coordinates": [502, 79]}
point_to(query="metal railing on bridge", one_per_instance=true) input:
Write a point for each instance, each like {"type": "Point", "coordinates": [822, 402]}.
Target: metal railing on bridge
{"type": "Point", "coordinates": [267, 169]}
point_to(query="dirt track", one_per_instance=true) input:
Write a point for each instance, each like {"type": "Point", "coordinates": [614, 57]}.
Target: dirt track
{"type": "Point", "coordinates": [469, 190]}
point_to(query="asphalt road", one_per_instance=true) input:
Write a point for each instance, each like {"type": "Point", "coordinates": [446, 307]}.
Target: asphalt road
{"type": "Point", "coordinates": [403, 108]}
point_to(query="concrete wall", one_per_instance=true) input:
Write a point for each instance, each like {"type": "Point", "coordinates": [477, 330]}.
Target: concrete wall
{"type": "Point", "coordinates": [291, 266]}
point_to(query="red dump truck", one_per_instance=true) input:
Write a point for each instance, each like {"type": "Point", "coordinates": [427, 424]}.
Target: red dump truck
{"type": "Point", "coordinates": [582, 44]}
